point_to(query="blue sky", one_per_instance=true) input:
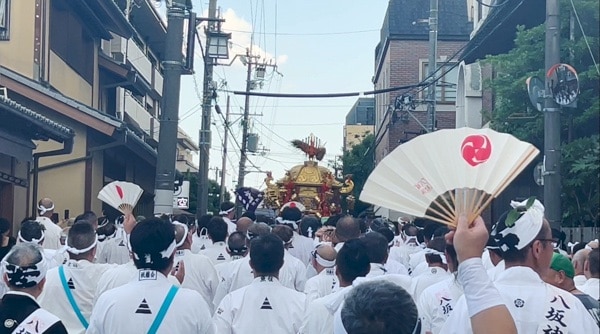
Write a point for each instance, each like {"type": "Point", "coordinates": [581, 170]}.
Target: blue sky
{"type": "Point", "coordinates": [320, 47]}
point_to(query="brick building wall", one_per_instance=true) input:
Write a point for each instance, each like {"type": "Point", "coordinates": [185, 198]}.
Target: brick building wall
{"type": "Point", "coordinates": [401, 65]}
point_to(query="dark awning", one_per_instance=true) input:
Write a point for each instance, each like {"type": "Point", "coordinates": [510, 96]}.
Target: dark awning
{"type": "Point", "coordinates": [497, 33]}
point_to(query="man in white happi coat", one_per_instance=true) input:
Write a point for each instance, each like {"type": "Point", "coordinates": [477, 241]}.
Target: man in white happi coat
{"type": "Point", "coordinates": [52, 231]}
{"type": "Point", "coordinates": [437, 301]}
{"type": "Point", "coordinates": [300, 246]}
{"type": "Point", "coordinates": [494, 255]}
{"type": "Point", "coordinates": [592, 274]}
{"type": "Point", "coordinates": [32, 232]}
{"type": "Point", "coordinates": [324, 283]}
{"type": "Point", "coordinates": [239, 273]}
{"type": "Point", "coordinates": [23, 271]}
{"type": "Point", "coordinates": [237, 249]}
{"type": "Point", "coordinates": [346, 228]}
{"type": "Point", "coordinates": [70, 288]}
{"type": "Point", "coordinates": [201, 240]}
{"type": "Point", "coordinates": [116, 249]}
{"type": "Point", "coordinates": [150, 303]}
{"type": "Point", "coordinates": [409, 245]}
{"type": "Point", "coordinates": [352, 261]}
{"type": "Point", "coordinates": [264, 306]}
{"type": "Point", "coordinates": [217, 232]}
{"type": "Point", "coordinates": [525, 239]}
{"type": "Point", "coordinates": [201, 275]}
{"type": "Point", "coordinates": [437, 270]}
{"type": "Point", "coordinates": [228, 213]}
{"type": "Point", "coordinates": [293, 272]}
{"type": "Point", "coordinates": [391, 266]}
{"type": "Point", "coordinates": [579, 263]}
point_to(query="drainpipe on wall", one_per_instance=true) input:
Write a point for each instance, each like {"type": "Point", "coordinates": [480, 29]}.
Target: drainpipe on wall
{"type": "Point", "coordinates": [67, 149]}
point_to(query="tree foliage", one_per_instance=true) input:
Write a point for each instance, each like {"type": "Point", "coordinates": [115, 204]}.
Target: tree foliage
{"type": "Point", "coordinates": [359, 161]}
{"type": "Point", "coordinates": [214, 190]}
{"type": "Point", "coordinates": [514, 113]}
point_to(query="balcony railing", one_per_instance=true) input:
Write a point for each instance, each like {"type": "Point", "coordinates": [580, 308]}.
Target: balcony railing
{"type": "Point", "coordinates": [158, 82]}
{"type": "Point", "coordinates": [123, 49]}
{"type": "Point", "coordinates": [138, 113]}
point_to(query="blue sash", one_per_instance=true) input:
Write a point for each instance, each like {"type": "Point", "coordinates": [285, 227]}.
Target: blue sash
{"type": "Point", "coordinates": [63, 280]}
{"type": "Point", "coordinates": [163, 310]}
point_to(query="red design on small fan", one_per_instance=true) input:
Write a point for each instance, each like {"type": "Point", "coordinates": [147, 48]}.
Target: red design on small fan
{"type": "Point", "coordinates": [119, 191]}
{"type": "Point", "coordinates": [476, 149]}
{"type": "Point", "coordinates": [292, 205]}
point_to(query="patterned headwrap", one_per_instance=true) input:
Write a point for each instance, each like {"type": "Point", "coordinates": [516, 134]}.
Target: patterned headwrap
{"type": "Point", "coordinates": [25, 276]}
{"type": "Point", "coordinates": [521, 225]}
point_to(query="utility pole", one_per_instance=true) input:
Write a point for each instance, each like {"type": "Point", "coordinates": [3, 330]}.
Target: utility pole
{"type": "Point", "coordinates": [167, 144]}
{"type": "Point", "coordinates": [243, 158]}
{"type": "Point", "coordinates": [552, 187]}
{"type": "Point", "coordinates": [432, 64]}
{"type": "Point", "coordinates": [204, 142]}
{"type": "Point", "coordinates": [224, 161]}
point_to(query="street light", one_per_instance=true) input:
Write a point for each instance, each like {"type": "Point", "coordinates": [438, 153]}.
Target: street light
{"type": "Point", "coordinates": [218, 44]}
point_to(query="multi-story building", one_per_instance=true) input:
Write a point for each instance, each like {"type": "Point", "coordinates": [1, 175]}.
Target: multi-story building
{"type": "Point", "coordinates": [94, 66]}
{"type": "Point", "coordinates": [186, 149]}
{"type": "Point", "coordinates": [401, 59]}
{"type": "Point", "coordinates": [360, 122]}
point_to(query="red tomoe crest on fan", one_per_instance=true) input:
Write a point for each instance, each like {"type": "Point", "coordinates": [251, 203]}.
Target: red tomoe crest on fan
{"type": "Point", "coordinates": [476, 149]}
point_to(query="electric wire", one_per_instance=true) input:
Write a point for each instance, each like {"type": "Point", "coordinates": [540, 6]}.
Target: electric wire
{"type": "Point", "coordinates": [585, 37]}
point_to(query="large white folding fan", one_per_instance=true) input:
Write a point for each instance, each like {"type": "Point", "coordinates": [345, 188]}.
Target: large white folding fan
{"type": "Point", "coordinates": [122, 196]}
{"type": "Point", "coordinates": [443, 174]}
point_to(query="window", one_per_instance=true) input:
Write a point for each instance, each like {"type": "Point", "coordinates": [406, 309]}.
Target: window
{"type": "Point", "coordinates": [4, 20]}
{"type": "Point", "coordinates": [445, 91]}
{"type": "Point", "coordinates": [70, 40]}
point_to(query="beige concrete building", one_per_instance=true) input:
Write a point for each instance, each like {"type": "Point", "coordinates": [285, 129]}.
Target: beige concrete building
{"type": "Point", "coordinates": [354, 134]}
{"type": "Point", "coordinates": [187, 149]}
{"type": "Point", "coordinates": [85, 64]}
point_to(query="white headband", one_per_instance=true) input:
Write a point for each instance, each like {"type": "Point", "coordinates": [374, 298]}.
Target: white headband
{"type": "Point", "coordinates": [524, 229]}
{"type": "Point", "coordinates": [287, 222]}
{"type": "Point", "coordinates": [44, 209]}
{"type": "Point", "coordinates": [33, 240]}
{"type": "Point", "coordinates": [165, 254]}
{"type": "Point", "coordinates": [323, 262]}
{"type": "Point", "coordinates": [185, 232]}
{"type": "Point", "coordinates": [25, 277]}
{"type": "Point", "coordinates": [309, 231]}
{"type": "Point", "coordinates": [438, 253]}
{"type": "Point", "coordinates": [77, 251]}
{"type": "Point", "coordinates": [225, 212]}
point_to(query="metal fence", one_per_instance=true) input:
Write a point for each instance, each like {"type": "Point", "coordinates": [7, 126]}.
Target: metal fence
{"type": "Point", "coordinates": [580, 234]}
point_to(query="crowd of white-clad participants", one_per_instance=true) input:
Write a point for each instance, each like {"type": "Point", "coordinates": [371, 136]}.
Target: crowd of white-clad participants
{"type": "Point", "coordinates": [295, 275]}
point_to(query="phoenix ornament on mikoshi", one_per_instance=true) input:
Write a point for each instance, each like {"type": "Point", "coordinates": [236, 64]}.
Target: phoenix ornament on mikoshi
{"type": "Point", "coordinates": [311, 146]}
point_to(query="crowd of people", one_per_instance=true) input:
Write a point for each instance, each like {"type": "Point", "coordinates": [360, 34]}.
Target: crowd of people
{"type": "Point", "coordinates": [295, 274]}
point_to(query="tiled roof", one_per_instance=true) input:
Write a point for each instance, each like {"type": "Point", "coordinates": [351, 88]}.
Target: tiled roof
{"type": "Point", "coordinates": [49, 127]}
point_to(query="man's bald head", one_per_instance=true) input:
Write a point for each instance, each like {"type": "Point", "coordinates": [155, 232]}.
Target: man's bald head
{"type": "Point", "coordinates": [181, 234]}
{"type": "Point", "coordinates": [579, 260]}
{"type": "Point", "coordinates": [347, 228]}
{"type": "Point", "coordinates": [242, 224]}
{"type": "Point", "coordinates": [327, 252]}
{"type": "Point", "coordinates": [46, 207]}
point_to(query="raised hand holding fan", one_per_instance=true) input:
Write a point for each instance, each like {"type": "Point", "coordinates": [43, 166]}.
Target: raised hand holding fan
{"type": "Point", "coordinates": [122, 196]}
{"type": "Point", "coordinates": [443, 174]}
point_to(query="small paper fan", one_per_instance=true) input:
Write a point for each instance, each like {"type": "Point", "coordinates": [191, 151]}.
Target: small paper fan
{"type": "Point", "coordinates": [443, 174]}
{"type": "Point", "coordinates": [122, 196]}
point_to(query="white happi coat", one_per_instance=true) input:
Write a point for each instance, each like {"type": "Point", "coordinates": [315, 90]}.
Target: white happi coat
{"type": "Point", "coordinates": [82, 279]}
{"type": "Point", "coordinates": [320, 312]}
{"type": "Point", "coordinates": [495, 271]}
{"type": "Point", "coordinates": [217, 252]}
{"type": "Point", "coordinates": [321, 285]}
{"type": "Point", "coordinates": [301, 247]}
{"type": "Point", "coordinates": [293, 272]}
{"type": "Point", "coordinates": [264, 306]}
{"type": "Point", "coordinates": [200, 242]}
{"type": "Point", "coordinates": [121, 275]}
{"type": "Point", "coordinates": [430, 277]}
{"type": "Point", "coordinates": [132, 308]}
{"type": "Point", "coordinates": [591, 287]}
{"type": "Point", "coordinates": [402, 253]}
{"type": "Point", "coordinates": [436, 303]}
{"type": "Point", "coordinates": [200, 274]}
{"type": "Point", "coordinates": [51, 234]}
{"type": "Point", "coordinates": [395, 267]}
{"type": "Point", "coordinates": [416, 259]}
{"type": "Point", "coordinates": [224, 269]}
{"type": "Point", "coordinates": [536, 307]}
{"type": "Point", "coordinates": [114, 251]}
{"type": "Point", "coordinates": [579, 281]}
{"type": "Point", "coordinates": [231, 226]}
